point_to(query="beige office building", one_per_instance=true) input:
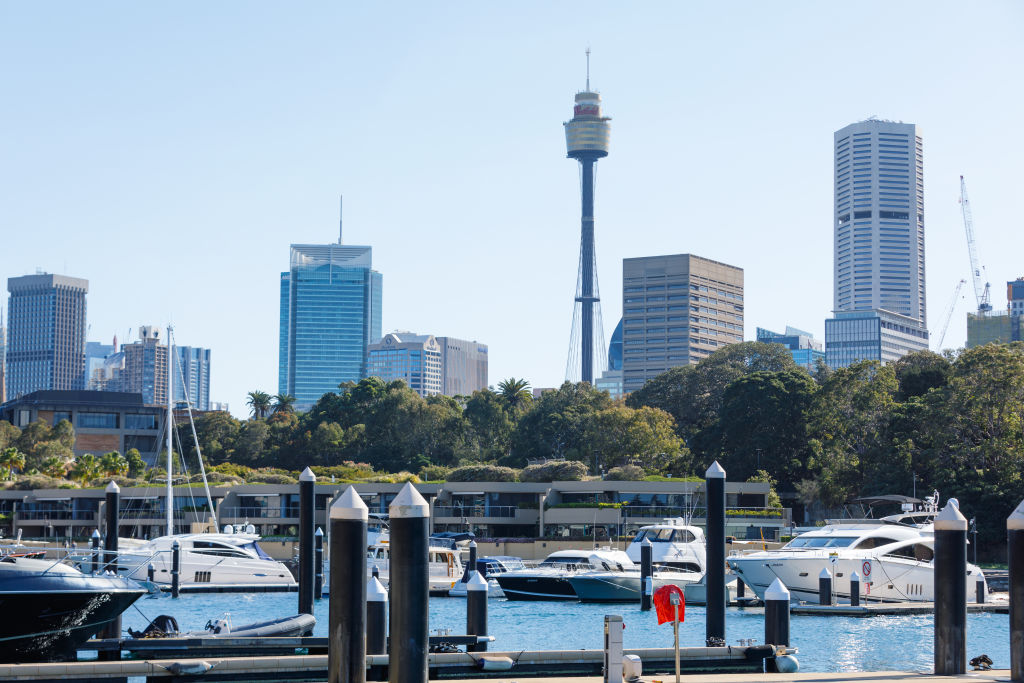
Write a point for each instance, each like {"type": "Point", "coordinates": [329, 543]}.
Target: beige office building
{"type": "Point", "coordinates": [676, 310]}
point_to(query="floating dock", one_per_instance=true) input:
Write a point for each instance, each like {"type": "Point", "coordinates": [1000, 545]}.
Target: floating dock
{"type": "Point", "coordinates": [875, 609]}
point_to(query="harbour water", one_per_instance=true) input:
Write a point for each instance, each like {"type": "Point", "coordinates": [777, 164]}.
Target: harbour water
{"type": "Point", "coordinates": [883, 643]}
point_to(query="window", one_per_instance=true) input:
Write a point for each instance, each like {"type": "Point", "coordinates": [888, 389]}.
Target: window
{"type": "Point", "coordinates": [917, 552]}
{"type": "Point", "coordinates": [132, 421]}
{"type": "Point", "coordinates": [97, 420]}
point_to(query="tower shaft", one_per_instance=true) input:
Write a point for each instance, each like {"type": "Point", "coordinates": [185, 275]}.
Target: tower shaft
{"type": "Point", "coordinates": [587, 298]}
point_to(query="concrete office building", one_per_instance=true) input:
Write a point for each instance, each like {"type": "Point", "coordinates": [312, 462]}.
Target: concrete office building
{"type": "Point", "coordinates": [878, 222]}
{"type": "Point", "coordinates": [999, 328]}
{"type": "Point", "coordinates": [676, 310]}
{"type": "Point", "coordinates": [805, 349]}
{"type": "Point", "coordinates": [412, 358]}
{"type": "Point", "coordinates": [192, 363]}
{"type": "Point", "coordinates": [46, 333]}
{"type": "Point", "coordinates": [330, 314]}
{"type": "Point", "coordinates": [463, 366]}
{"type": "Point", "coordinates": [3, 357]}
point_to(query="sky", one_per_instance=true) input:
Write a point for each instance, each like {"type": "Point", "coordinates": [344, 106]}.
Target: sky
{"type": "Point", "coordinates": [171, 152]}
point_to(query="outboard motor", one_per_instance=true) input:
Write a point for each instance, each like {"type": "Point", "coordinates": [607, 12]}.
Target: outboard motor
{"type": "Point", "coordinates": [220, 626]}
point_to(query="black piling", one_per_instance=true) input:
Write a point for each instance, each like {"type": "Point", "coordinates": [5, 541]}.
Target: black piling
{"type": "Point", "coordinates": [646, 574]}
{"type": "Point", "coordinates": [714, 482]}
{"type": "Point", "coordinates": [376, 618]}
{"type": "Point", "coordinates": [855, 589]}
{"type": "Point", "coordinates": [306, 573]}
{"type": "Point", "coordinates": [1015, 555]}
{"type": "Point", "coordinates": [471, 567]}
{"type": "Point", "coordinates": [113, 500]}
{"type": "Point", "coordinates": [950, 592]}
{"type": "Point", "coordinates": [96, 551]}
{"type": "Point", "coordinates": [979, 590]}
{"type": "Point", "coordinates": [409, 584]}
{"type": "Point", "coordinates": [476, 610]}
{"type": "Point", "coordinates": [824, 587]}
{"type": "Point", "coordinates": [776, 618]}
{"type": "Point", "coordinates": [741, 590]}
{"type": "Point", "coordinates": [318, 577]}
{"type": "Point", "coordinates": [150, 572]}
{"type": "Point", "coordinates": [175, 569]}
{"type": "Point", "coordinates": [346, 644]}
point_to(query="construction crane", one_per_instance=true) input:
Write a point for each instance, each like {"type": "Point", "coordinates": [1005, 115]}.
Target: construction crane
{"type": "Point", "coordinates": [980, 293]}
{"type": "Point", "coordinates": [948, 315]}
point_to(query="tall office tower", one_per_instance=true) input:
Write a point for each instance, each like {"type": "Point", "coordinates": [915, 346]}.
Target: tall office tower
{"type": "Point", "coordinates": [805, 349]}
{"type": "Point", "coordinates": [145, 367]}
{"type": "Point", "coordinates": [330, 314]}
{"type": "Point", "coordinates": [586, 139]}
{"type": "Point", "coordinates": [193, 364]}
{"type": "Point", "coordinates": [3, 357]}
{"type": "Point", "coordinates": [46, 333]}
{"type": "Point", "coordinates": [676, 310]}
{"type": "Point", "coordinates": [879, 242]}
{"type": "Point", "coordinates": [463, 366]}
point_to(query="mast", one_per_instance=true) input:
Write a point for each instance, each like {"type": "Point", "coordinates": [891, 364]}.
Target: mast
{"type": "Point", "coordinates": [170, 425]}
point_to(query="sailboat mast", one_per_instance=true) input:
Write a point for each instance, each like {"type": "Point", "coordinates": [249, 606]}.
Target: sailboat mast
{"type": "Point", "coordinates": [170, 425]}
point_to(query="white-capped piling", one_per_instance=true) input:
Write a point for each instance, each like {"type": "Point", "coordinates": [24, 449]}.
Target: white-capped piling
{"type": "Point", "coordinates": [1015, 556]}
{"type": "Point", "coordinates": [471, 567]}
{"type": "Point", "coordinates": [408, 579]}
{"type": "Point", "coordinates": [855, 589]}
{"type": "Point", "coordinates": [113, 500]}
{"type": "Point", "coordinates": [307, 480]}
{"type": "Point", "coordinates": [346, 634]}
{"type": "Point", "coordinates": [646, 573]}
{"type": "Point", "coordinates": [318, 564]}
{"type": "Point", "coordinates": [175, 569]}
{"type": "Point", "coordinates": [714, 487]}
{"type": "Point", "coordinates": [476, 610]}
{"type": "Point", "coordinates": [776, 614]}
{"type": "Point", "coordinates": [376, 617]}
{"type": "Point", "coordinates": [950, 570]}
{"type": "Point", "coordinates": [150, 572]}
{"type": "Point", "coordinates": [824, 587]}
{"type": "Point", "coordinates": [95, 550]}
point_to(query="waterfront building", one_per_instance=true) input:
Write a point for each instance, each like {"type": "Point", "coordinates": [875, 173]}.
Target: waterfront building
{"type": "Point", "coordinates": [677, 310]}
{"type": "Point", "coordinates": [587, 137]}
{"type": "Point", "coordinates": [104, 421]}
{"type": "Point", "coordinates": [879, 335]}
{"type": "Point", "coordinates": [46, 333]}
{"type": "Point", "coordinates": [463, 366]}
{"type": "Point", "coordinates": [330, 314]}
{"type": "Point", "coordinates": [805, 349]}
{"type": "Point", "coordinates": [412, 358]}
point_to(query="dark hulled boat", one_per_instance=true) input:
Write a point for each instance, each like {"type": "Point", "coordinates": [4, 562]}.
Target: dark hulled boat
{"type": "Point", "coordinates": [50, 609]}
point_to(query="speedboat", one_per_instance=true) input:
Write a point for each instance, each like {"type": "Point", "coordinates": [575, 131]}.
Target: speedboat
{"type": "Point", "coordinates": [490, 567]}
{"type": "Point", "coordinates": [51, 608]}
{"type": "Point", "coordinates": [894, 562]}
{"type": "Point", "coordinates": [207, 559]}
{"type": "Point", "coordinates": [550, 579]}
{"type": "Point", "coordinates": [444, 566]}
{"type": "Point", "coordinates": [625, 586]}
{"type": "Point", "coordinates": [674, 543]}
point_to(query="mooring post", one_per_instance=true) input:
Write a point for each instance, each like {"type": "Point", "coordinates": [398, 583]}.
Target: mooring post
{"type": "Point", "coordinates": [741, 590]}
{"type": "Point", "coordinates": [96, 551]}
{"type": "Point", "coordinates": [476, 610]}
{"type": "Point", "coordinates": [646, 575]}
{"type": "Point", "coordinates": [854, 589]}
{"type": "Point", "coordinates": [150, 572]}
{"type": "Point", "coordinates": [376, 572]}
{"type": "Point", "coordinates": [612, 648]}
{"type": "Point", "coordinates": [471, 567]}
{"type": "Point", "coordinates": [714, 483]}
{"type": "Point", "coordinates": [408, 580]}
{"type": "Point", "coordinates": [306, 511]}
{"type": "Point", "coordinates": [1015, 555]}
{"type": "Point", "coordinates": [776, 619]}
{"type": "Point", "coordinates": [113, 499]}
{"type": "Point", "coordinates": [376, 618]}
{"type": "Point", "coordinates": [175, 569]}
{"type": "Point", "coordinates": [346, 643]}
{"type": "Point", "coordinates": [824, 587]}
{"type": "Point", "coordinates": [318, 576]}
{"type": "Point", "coordinates": [979, 589]}
{"type": "Point", "coordinates": [950, 569]}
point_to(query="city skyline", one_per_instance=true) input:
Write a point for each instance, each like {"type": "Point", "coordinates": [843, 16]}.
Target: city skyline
{"type": "Point", "coordinates": [216, 157]}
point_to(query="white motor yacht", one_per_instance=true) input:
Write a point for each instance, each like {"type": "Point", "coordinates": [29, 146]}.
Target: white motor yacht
{"type": "Point", "coordinates": [550, 579]}
{"type": "Point", "coordinates": [445, 566]}
{"type": "Point", "coordinates": [674, 543]}
{"type": "Point", "coordinates": [893, 561]}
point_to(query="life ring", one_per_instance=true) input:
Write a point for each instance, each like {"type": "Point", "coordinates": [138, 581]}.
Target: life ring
{"type": "Point", "coordinates": [865, 568]}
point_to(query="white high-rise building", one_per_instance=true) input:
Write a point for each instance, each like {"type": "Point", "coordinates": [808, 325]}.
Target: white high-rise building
{"type": "Point", "coordinates": [879, 219]}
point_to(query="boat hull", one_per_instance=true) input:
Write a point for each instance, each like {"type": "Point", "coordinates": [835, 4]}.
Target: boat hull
{"type": "Point", "coordinates": [612, 588]}
{"type": "Point", "coordinates": [536, 587]}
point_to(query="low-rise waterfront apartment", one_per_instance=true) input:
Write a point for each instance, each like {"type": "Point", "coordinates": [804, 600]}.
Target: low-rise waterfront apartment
{"type": "Point", "coordinates": [561, 509]}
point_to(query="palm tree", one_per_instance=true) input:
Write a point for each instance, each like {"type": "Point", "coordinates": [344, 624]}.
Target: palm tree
{"type": "Point", "coordinates": [85, 468]}
{"type": "Point", "coordinates": [11, 459]}
{"type": "Point", "coordinates": [259, 401]}
{"type": "Point", "coordinates": [113, 464]}
{"type": "Point", "coordinates": [516, 392]}
{"type": "Point", "coordinates": [54, 467]}
{"type": "Point", "coordinates": [284, 403]}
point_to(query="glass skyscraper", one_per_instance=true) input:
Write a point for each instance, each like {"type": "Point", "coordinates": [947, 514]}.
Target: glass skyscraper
{"type": "Point", "coordinates": [330, 314]}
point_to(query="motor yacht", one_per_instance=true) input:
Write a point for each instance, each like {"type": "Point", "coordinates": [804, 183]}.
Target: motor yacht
{"type": "Point", "coordinates": [490, 567]}
{"type": "Point", "coordinates": [550, 579]}
{"type": "Point", "coordinates": [445, 566]}
{"type": "Point", "coordinates": [893, 560]}
{"type": "Point", "coordinates": [51, 608]}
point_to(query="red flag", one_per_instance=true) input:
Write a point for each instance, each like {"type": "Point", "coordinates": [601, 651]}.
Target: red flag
{"type": "Point", "coordinates": [663, 603]}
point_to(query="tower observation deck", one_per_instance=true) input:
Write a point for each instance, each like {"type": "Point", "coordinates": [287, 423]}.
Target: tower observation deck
{"type": "Point", "coordinates": [586, 139]}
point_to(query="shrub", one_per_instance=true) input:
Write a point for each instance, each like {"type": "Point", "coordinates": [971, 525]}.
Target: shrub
{"type": "Point", "coordinates": [218, 478]}
{"type": "Point", "coordinates": [559, 470]}
{"type": "Point", "coordinates": [395, 478]}
{"type": "Point", "coordinates": [347, 471]}
{"type": "Point", "coordinates": [482, 473]}
{"type": "Point", "coordinates": [123, 482]}
{"type": "Point", "coordinates": [231, 469]}
{"type": "Point", "coordinates": [37, 481]}
{"type": "Point", "coordinates": [435, 473]}
{"type": "Point", "coordinates": [271, 478]}
{"type": "Point", "coordinates": [625, 473]}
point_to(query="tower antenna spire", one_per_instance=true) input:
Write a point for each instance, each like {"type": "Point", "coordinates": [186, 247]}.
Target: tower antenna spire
{"type": "Point", "coordinates": [341, 206]}
{"type": "Point", "coordinates": [588, 68]}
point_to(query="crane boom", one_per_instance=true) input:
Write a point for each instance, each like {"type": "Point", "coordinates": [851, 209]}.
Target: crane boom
{"type": "Point", "coordinates": [981, 293]}
{"type": "Point", "coordinates": [948, 315]}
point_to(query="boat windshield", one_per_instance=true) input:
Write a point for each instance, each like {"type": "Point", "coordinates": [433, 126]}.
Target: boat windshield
{"type": "Point", "coordinates": [821, 542]}
{"type": "Point", "coordinates": [556, 561]}
{"type": "Point", "coordinates": [254, 547]}
{"type": "Point", "coordinates": [664, 535]}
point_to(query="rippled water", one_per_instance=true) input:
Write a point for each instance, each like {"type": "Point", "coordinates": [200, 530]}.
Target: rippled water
{"type": "Point", "coordinates": [901, 643]}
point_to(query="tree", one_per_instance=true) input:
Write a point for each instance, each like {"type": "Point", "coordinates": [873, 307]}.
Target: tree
{"type": "Point", "coordinates": [251, 442]}
{"type": "Point", "coordinates": [619, 435]}
{"type": "Point", "coordinates": [555, 424]}
{"type": "Point", "coordinates": [9, 434]}
{"type": "Point", "coordinates": [921, 371]}
{"type": "Point", "coordinates": [11, 459]}
{"type": "Point", "coordinates": [259, 402]}
{"type": "Point", "coordinates": [284, 403]}
{"type": "Point", "coordinates": [112, 464]}
{"type": "Point", "coordinates": [54, 467]}
{"type": "Point", "coordinates": [516, 393]}
{"type": "Point", "coordinates": [85, 469]}
{"type": "Point", "coordinates": [490, 425]}
{"type": "Point", "coordinates": [136, 465]}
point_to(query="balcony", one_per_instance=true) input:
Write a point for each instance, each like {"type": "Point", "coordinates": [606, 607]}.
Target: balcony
{"type": "Point", "coordinates": [496, 513]}
{"type": "Point", "coordinates": [243, 513]}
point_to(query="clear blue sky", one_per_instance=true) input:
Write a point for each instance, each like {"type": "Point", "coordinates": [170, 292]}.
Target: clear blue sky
{"type": "Point", "coordinates": [171, 152]}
